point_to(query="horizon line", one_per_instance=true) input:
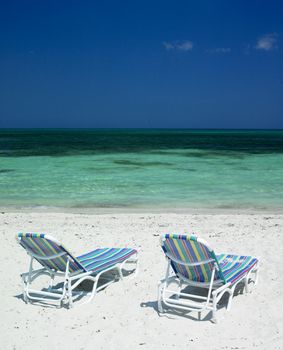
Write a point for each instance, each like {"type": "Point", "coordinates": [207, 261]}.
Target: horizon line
{"type": "Point", "coordinates": [137, 128]}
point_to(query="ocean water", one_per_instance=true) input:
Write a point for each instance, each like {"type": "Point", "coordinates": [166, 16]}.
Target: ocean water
{"type": "Point", "coordinates": [141, 168]}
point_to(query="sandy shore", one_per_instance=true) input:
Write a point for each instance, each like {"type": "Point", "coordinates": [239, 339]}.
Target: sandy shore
{"type": "Point", "coordinates": [125, 316]}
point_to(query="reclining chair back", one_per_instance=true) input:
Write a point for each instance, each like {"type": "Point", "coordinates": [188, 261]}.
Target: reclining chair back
{"type": "Point", "coordinates": [191, 258]}
{"type": "Point", "coordinates": [49, 252]}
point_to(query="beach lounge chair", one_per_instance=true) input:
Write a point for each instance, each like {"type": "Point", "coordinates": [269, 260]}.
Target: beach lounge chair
{"type": "Point", "coordinates": [57, 261]}
{"type": "Point", "coordinates": [192, 264]}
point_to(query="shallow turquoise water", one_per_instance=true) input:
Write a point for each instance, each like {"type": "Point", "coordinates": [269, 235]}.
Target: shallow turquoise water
{"type": "Point", "coordinates": [175, 168]}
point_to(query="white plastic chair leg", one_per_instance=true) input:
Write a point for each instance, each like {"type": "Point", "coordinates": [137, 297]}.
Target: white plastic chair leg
{"type": "Point", "coordinates": [214, 306]}
{"type": "Point", "coordinates": [246, 284]}
{"type": "Point", "coordinates": [179, 289]}
{"type": "Point", "coordinates": [231, 292]}
{"type": "Point", "coordinates": [256, 276]}
{"type": "Point", "coordinates": [26, 299]}
{"type": "Point", "coordinates": [135, 273]}
{"type": "Point", "coordinates": [70, 296]}
{"type": "Point", "coordinates": [119, 268]}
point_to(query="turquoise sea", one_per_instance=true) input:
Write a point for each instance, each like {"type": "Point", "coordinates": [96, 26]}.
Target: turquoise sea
{"type": "Point", "coordinates": [141, 168]}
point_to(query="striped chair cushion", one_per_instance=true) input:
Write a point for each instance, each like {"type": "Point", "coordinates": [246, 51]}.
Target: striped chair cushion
{"type": "Point", "coordinates": [189, 250]}
{"type": "Point", "coordinates": [38, 244]}
{"type": "Point", "coordinates": [234, 267]}
{"type": "Point", "coordinates": [231, 268]}
{"type": "Point", "coordinates": [101, 259]}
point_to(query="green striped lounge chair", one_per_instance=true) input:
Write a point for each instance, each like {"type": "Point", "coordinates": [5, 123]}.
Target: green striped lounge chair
{"type": "Point", "coordinates": [192, 263]}
{"type": "Point", "coordinates": [57, 262]}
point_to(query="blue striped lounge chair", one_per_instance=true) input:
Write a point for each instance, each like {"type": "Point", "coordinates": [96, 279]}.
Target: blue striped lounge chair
{"type": "Point", "coordinates": [192, 263]}
{"type": "Point", "coordinates": [57, 261]}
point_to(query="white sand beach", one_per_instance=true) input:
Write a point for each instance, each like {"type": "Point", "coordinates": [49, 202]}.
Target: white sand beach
{"type": "Point", "coordinates": [124, 315]}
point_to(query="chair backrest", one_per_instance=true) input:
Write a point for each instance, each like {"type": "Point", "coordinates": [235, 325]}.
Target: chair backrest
{"type": "Point", "coordinates": [49, 252]}
{"type": "Point", "coordinates": [191, 257]}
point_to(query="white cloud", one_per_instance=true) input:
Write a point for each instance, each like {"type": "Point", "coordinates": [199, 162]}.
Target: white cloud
{"type": "Point", "coordinates": [219, 50]}
{"type": "Point", "coordinates": [267, 42]}
{"type": "Point", "coordinates": [168, 46]}
{"type": "Point", "coordinates": [185, 45]}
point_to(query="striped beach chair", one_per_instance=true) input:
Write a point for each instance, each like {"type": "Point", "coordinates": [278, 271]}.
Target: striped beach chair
{"type": "Point", "coordinates": [192, 264]}
{"type": "Point", "coordinates": [57, 261]}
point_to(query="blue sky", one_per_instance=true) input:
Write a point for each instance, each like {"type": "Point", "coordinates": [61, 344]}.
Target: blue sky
{"type": "Point", "coordinates": [180, 64]}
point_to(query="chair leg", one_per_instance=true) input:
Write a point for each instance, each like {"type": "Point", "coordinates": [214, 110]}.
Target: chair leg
{"type": "Point", "coordinates": [246, 284]}
{"type": "Point", "coordinates": [179, 289]}
{"type": "Point", "coordinates": [214, 306]}
{"type": "Point", "coordinates": [119, 268]}
{"type": "Point", "coordinates": [248, 277]}
{"type": "Point", "coordinates": [129, 261]}
{"type": "Point", "coordinates": [26, 299]}
{"type": "Point", "coordinates": [231, 292]}
{"type": "Point", "coordinates": [256, 276]}
{"type": "Point", "coordinates": [70, 296]}
{"type": "Point", "coordinates": [93, 292]}
{"type": "Point", "coordinates": [136, 261]}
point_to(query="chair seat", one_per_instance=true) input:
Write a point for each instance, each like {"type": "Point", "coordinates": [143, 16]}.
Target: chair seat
{"type": "Point", "coordinates": [101, 259]}
{"type": "Point", "coordinates": [234, 267]}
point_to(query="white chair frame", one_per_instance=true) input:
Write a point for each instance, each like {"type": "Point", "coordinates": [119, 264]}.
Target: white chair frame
{"type": "Point", "coordinates": [67, 294]}
{"type": "Point", "coordinates": [216, 289]}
